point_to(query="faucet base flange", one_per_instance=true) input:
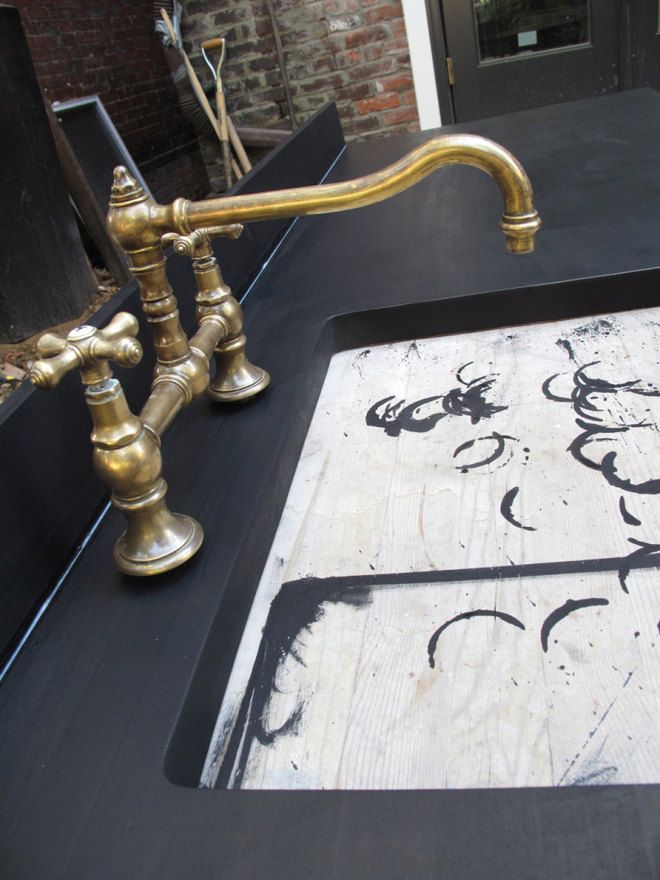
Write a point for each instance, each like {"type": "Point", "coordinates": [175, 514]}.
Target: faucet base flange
{"type": "Point", "coordinates": [233, 395]}
{"type": "Point", "coordinates": [185, 538]}
{"type": "Point", "coordinates": [235, 377]}
{"type": "Point", "coordinates": [156, 540]}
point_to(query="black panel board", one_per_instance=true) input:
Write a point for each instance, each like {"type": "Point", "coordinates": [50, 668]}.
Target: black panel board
{"type": "Point", "coordinates": [45, 278]}
{"type": "Point", "coordinates": [96, 150]}
{"type": "Point", "coordinates": [105, 715]}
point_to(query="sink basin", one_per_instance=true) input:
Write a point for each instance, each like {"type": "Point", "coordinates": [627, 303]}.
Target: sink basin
{"type": "Point", "coordinates": [460, 592]}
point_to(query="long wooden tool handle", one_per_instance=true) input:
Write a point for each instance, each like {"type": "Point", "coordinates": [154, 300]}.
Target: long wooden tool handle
{"type": "Point", "coordinates": [170, 29]}
{"type": "Point", "coordinates": [203, 100]}
{"type": "Point", "coordinates": [194, 81]}
{"type": "Point", "coordinates": [213, 43]}
{"type": "Point", "coordinates": [222, 119]}
{"type": "Point", "coordinates": [238, 146]}
{"type": "Point", "coordinates": [222, 112]}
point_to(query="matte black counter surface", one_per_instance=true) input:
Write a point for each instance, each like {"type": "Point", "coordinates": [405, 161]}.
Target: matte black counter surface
{"type": "Point", "coordinates": [108, 711]}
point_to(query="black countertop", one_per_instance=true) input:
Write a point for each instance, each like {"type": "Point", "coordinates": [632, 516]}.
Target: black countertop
{"type": "Point", "coordinates": [108, 710]}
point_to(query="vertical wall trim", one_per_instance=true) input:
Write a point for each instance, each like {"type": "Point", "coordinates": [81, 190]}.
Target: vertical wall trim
{"type": "Point", "coordinates": [421, 61]}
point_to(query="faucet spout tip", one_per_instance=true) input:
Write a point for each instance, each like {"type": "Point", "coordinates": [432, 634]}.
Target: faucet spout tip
{"type": "Point", "coordinates": [520, 230]}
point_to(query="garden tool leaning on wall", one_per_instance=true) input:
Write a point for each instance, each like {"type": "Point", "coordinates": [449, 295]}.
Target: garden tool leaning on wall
{"type": "Point", "coordinates": [220, 105]}
{"type": "Point", "coordinates": [176, 41]}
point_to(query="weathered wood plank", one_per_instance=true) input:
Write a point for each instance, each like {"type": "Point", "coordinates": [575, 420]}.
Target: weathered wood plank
{"type": "Point", "coordinates": [453, 596]}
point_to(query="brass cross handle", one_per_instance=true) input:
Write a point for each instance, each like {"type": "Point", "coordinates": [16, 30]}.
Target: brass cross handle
{"type": "Point", "coordinates": [186, 245]}
{"type": "Point", "coordinates": [88, 349]}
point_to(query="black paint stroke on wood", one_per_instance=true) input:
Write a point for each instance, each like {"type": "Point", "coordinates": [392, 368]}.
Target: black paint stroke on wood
{"type": "Point", "coordinates": [607, 465]}
{"type": "Point", "coordinates": [626, 515]}
{"type": "Point", "coordinates": [471, 402]}
{"type": "Point", "coordinates": [467, 401]}
{"type": "Point", "coordinates": [568, 348]}
{"type": "Point", "coordinates": [609, 471]}
{"type": "Point", "coordinates": [505, 509]}
{"type": "Point", "coordinates": [548, 394]}
{"type": "Point", "coordinates": [299, 604]}
{"type": "Point", "coordinates": [468, 615]}
{"type": "Point", "coordinates": [646, 551]}
{"type": "Point", "coordinates": [588, 418]}
{"type": "Point", "coordinates": [585, 385]}
{"type": "Point", "coordinates": [500, 446]}
{"type": "Point", "coordinates": [459, 376]}
{"type": "Point", "coordinates": [563, 611]}
{"type": "Point", "coordinates": [395, 417]}
{"type": "Point", "coordinates": [291, 725]}
{"type": "Point", "coordinates": [296, 607]}
{"type": "Point", "coordinates": [580, 779]}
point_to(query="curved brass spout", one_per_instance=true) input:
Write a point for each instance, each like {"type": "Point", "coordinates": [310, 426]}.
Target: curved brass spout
{"type": "Point", "coordinates": [520, 220]}
{"type": "Point", "coordinates": [127, 447]}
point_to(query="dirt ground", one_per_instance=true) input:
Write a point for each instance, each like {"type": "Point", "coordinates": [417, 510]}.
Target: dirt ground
{"type": "Point", "coordinates": [16, 358]}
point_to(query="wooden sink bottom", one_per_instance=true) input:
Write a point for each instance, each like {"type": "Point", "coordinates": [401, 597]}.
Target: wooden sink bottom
{"type": "Point", "coordinates": [462, 591]}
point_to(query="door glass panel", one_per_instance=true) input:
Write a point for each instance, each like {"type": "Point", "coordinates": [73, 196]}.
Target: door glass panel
{"type": "Point", "coordinates": [508, 28]}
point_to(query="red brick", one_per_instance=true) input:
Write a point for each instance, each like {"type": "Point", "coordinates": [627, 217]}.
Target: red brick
{"type": "Point", "coordinates": [399, 83]}
{"type": "Point", "coordinates": [399, 44]}
{"type": "Point", "coordinates": [383, 13]}
{"type": "Point", "coordinates": [347, 59]}
{"type": "Point", "coordinates": [360, 36]}
{"type": "Point", "coordinates": [345, 23]}
{"type": "Point", "coordinates": [324, 64]}
{"type": "Point", "coordinates": [404, 114]}
{"type": "Point", "coordinates": [356, 92]}
{"type": "Point", "coordinates": [365, 124]}
{"type": "Point", "coordinates": [379, 102]}
{"type": "Point", "coordinates": [374, 51]}
{"type": "Point", "coordinates": [263, 27]}
{"type": "Point", "coordinates": [341, 7]}
{"type": "Point", "coordinates": [335, 81]}
{"type": "Point", "coordinates": [262, 63]}
{"type": "Point", "coordinates": [308, 51]}
{"type": "Point", "coordinates": [371, 69]}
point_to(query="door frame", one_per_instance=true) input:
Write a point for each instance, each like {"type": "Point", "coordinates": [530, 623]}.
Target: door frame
{"type": "Point", "coordinates": [435, 17]}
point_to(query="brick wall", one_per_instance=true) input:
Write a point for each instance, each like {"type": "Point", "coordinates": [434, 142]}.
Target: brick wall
{"type": "Point", "coordinates": [354, 52]}
{"type": "Point", "coordinates": [109, 48]}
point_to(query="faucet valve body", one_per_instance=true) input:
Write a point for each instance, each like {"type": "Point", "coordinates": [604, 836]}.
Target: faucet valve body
{"type": "Point", "coordinates": [126, 454]}
{"type": "Point", "coordinates": [235, 377]}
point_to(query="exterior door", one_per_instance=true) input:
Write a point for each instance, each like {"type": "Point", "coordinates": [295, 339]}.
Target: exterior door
{"type": "Point", "coordinates": [512, 55]}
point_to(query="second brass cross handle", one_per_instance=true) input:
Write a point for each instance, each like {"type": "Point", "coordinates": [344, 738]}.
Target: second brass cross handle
{"type": "Point", "coordinates": [88, 349]}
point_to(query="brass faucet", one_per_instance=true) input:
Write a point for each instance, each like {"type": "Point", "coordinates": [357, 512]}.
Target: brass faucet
{"type": "Point", "coordinates": [127, 447]}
